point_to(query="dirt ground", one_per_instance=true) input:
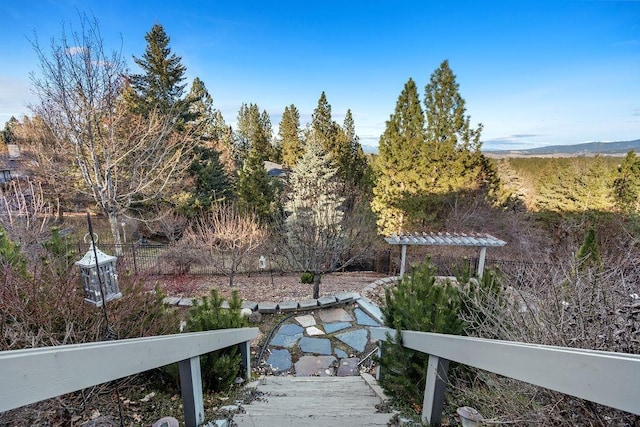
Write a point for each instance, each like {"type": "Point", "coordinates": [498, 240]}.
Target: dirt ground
{"type": "Point", "coordinates": [265, 287]}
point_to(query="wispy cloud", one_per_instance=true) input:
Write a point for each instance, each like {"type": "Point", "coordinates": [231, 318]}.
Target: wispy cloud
{"type": "Point", "coordinates": [516, 137]}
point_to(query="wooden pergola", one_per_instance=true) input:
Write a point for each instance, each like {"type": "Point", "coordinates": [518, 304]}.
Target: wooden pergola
{"type": "Point", "coordinates": [482, 241]}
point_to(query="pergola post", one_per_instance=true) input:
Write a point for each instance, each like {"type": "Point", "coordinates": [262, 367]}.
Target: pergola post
{"type": "Point", "coordinates": [403, 260]}
{"type": "Point", "coordinates": [483, 254]}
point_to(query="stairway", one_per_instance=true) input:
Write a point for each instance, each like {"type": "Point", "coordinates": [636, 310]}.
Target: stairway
{"type": "Point", "coordinates": [314, 401]}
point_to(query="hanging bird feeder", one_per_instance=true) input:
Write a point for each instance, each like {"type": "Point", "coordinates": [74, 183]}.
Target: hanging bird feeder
{"type": "Point", "coordinates": [99, 278]}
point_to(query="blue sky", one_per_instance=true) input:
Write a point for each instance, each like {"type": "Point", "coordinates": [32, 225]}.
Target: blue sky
{"type": "Point", "coordinates": [533, 72]}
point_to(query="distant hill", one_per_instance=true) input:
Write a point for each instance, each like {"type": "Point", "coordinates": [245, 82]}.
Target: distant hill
{"type": "Point", "coordinates": [619, 148]}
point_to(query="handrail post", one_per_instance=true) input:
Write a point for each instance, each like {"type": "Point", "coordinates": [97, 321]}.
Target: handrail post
{"type": "Point", "coordinates": [191, 387]}
{"type": "Point", "coordinates": [245, 352]}
{"type": "Point", "coordinates": [434, 390]}
{"type": "Point", "coordinates": [379, 354]}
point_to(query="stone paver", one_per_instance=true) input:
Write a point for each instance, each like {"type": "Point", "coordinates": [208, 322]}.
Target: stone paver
{"type": "Point", "coordinates": [253, 306]}
{"type": "Point", "coordinates": [370, 308]}
{"type": "Point", "coordinates": [335, 315]}
{"type": "Point", "coordinates": [311, 366]}
{"type": "Point", "coordinates": [355, 339]}
{"type": "Point", "coordinates": [341, 354]}
{"type": "Point", "coordinates": [336, 326]}
{"type": "Point", "coordinates": [280, 360]}
{"type": "Point", "coordinates": [315, 345]}
{"type": "Point", "coordinates": [313, 331]}
{"type": "Point", "coordinates": [288, 306]}
{"type": "Point", "coordinates": [267, 307]}
{"type": "Point", "coordinates": [172, 300]}
{"type": "Point", "coordinates": [349, 324]}
{"type": "Point", "coordinates": [309, 303]}
{"type": "Point", "coordinates": [363, 319]}
{"type": "Point", "coordinates": [349, 367]}
{"type": "Point", "coordinates": [287, 336]}
{"type": "Point", "coordinates": [306, 321]}
{"type": "Point", "coordinates": [344, 297]}
{"type": "Point", "coordinates": [328, 300]}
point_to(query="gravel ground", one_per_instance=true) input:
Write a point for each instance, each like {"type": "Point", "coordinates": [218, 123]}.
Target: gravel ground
{"type": "Point", "coordinates": [266, 288]}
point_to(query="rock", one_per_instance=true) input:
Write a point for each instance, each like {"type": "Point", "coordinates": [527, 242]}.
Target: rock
{"type": "Point", "coordinates": [255, 317]}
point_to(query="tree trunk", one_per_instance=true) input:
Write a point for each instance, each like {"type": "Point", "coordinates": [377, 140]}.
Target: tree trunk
{"type": "Point", "coordinates": [316, 285]}
{"type": "Point", "coordinates": [115, 231]}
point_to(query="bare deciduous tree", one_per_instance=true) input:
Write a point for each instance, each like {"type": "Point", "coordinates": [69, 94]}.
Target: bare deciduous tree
{"type": "Point", "coordinates": [25, 214]}
{"type": "Point", "coordinates": [119, 159]}
{"type": "Point", "coordinates": [227, 235]}
{"type": "Point", "coordinates": [324, 240]}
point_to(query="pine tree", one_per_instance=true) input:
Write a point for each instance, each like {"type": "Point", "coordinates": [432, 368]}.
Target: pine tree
{"type": "Point", "coordinates": [417, 303]}
{"type": "Point", "coordinates": [255, 189]}
{"type": "Point", "coordinates": [323, 127]}
{"type": "Point", "coordinates": [160, 87]}
{"type": "Point", "coordinates": [589, 253]}
{"type": "Point", "coordinates": [8, 133]}
{"type": "Point", "coordinates": [575, 185]}
{"type": "Point", "coordinates": [397, 175]}
{"type": "Point", "coordinates": [453, 148]}
{"type": "Point", "coordinates": [211, 184]}
{"type": "Point", "coordinates": [201, 109]}
{"type": "Point", "coordinates": [254, 132]}
{"type": "Point", "coordinates": [352, 163]}
{"type": "Point", "coordinates": [626, 186]}
{"type": "Point", "coordinates": [290, 140]}
{"type": "Point", "coordinates": [219, 368]}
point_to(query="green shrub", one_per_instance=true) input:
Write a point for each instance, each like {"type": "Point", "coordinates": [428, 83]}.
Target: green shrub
{"type": "Point", "coordinates": [307, 277]}
{"type": "Point", "coordinates": [418, 303]}
{"type": "Point", "coordinates": [11, 256]}
{"type": "Point", "coordinates": [219, 368]}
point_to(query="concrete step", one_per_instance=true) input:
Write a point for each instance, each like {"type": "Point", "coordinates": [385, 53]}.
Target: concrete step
{"type": "Point", "coordinates": [313, 420]}
{"type": "Point", "coordinates": [313, 401]}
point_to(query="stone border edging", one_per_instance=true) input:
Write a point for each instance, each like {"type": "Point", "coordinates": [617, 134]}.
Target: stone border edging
{"type": "Point", "coordinates": [323, 302]}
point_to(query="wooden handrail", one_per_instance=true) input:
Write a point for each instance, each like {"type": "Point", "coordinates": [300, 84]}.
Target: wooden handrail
{"type": "Point", "coordinates": [31, 375]}
{"type": "Point", "coordinates": [607, 378]}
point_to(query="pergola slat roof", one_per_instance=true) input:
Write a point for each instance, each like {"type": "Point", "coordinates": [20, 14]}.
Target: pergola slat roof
{"type": "Point", "coordinates": [445, 239]}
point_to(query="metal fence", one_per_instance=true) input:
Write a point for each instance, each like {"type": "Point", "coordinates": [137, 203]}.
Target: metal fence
{"type": "Point", "coordinates": [162, 259]}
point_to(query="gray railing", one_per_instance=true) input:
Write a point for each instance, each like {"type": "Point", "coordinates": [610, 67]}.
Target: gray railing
{"type": "Point", "coordinates": [32, 375]}
{"type": "Point", "coordinates": [607, 378]}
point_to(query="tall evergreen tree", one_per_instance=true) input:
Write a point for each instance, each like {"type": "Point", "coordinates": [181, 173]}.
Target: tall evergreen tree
{"type": "Point", "coordinates": [254, 132]}
{"type": "Point", "coordinates": [8, 133]}
{"type": "Point", "coordinates": [323, 127]}
{"type": "Point", "coordinates": [290, 140]}
{"type": "Point", "coordinates": [201, 108]}
{"type": "Point", "coordinates": [255, 189]}
{"type": "Point", "coordinates": [352, 163]}
{"type": "Point", "coordinates": [208, 125]}
{"type": "Point", "coordinates": [160, 86]}
{"type": "Point", "coordinates": [453, 147]}
{"type": "Point", "coordinates": [398, 178]}
{"type": "Point", "coordinates": [211, 184]}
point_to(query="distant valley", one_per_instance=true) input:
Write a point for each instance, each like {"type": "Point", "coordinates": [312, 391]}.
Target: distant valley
{"type": "Point", "coordinates": [619, 148]}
